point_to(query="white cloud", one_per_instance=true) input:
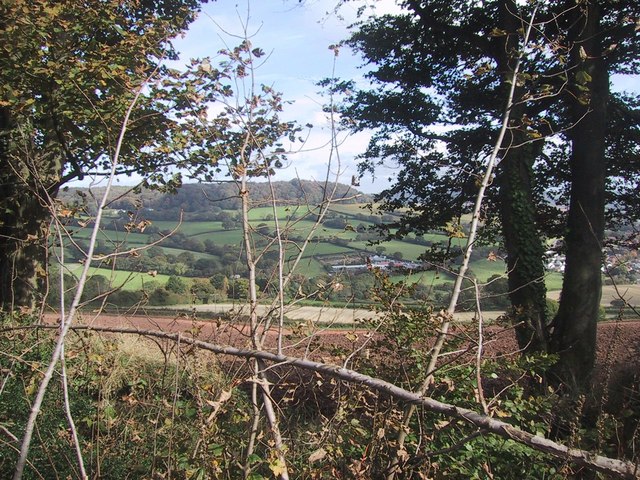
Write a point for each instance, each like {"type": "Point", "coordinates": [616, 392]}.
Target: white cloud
{"type": "Point", "coordinates": [296, 38]}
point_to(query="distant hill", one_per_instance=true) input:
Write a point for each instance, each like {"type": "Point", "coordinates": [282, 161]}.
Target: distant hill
{"type": "Point", "coordinates": [198, 198]}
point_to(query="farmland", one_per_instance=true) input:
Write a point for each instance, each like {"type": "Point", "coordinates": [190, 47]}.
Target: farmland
{"type": "Point", "coordinates": [198, 251]}
{"type": "Point", "coordinates": [346, 237]}
{"type": "Point", "coordinates": [188, 248]}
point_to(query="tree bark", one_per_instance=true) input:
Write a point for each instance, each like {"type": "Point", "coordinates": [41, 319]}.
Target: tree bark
{"type": "Point", "coordinates": [574, 335]}
{"type": "Point", "coordinates": [522, 239]}
{"type": "Point", "coordinates": [27, 182]}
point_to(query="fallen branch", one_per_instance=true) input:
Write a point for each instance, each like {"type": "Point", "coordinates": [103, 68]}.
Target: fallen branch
{"type": "Point", "coordinates": [619, 468]}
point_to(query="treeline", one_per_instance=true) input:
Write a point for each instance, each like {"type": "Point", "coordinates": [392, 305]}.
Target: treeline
{"type": "Point", "coordinates": [353, 288]}
{"type": "Point", "coordinates": [198, 200]}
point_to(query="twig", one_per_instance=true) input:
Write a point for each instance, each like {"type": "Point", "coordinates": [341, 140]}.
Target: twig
{"type": "Point", "coordinates": [620, 468]}
{"type": "Point", "coordinates": [64, 328]}
{"type": "Point", "coordinates": [63, 363]}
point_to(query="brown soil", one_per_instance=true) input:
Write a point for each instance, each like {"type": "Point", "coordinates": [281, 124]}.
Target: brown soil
{"type": "Point", "coordinates": [618, 342]}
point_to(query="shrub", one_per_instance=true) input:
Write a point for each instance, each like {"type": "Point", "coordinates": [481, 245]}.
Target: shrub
{"type": "Point", "coordinates": [161, 296]}
{"type": "Point", "coordinates": [177, 285]}
{"type": "Point", "coordinates": [126, 298]}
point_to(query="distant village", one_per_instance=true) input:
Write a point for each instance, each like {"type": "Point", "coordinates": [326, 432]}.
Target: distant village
{"type": "Point", "coordinates": [625, 263]}
{"type": "Point", "coordinates": [380, 262]}
{"type": "Point", "coordinates": [620, 263]}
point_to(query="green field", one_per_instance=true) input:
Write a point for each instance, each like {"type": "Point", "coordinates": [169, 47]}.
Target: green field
{"type": "Point", "coordinates": [189, 228]}
{"type": "Point", "coordinates": [114, 237]}
{"type": "Point", "coordinates": [119, 278]}
{"type": "Point", "coordinates": [261, 214]}
{"type": "Point", "coordinates": [428, 278]}
{"type": "Point", "coordinates": [319, 247]}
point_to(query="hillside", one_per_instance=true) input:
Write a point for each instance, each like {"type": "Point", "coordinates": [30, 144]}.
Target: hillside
{"type": "Point", "coordinates": [198, 199]}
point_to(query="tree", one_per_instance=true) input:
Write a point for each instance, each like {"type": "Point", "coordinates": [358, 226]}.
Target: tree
{"type": "Point", "coordinates": [444, 75]}
{"type": "Point", "coordinates": [230, 224]}
{"type": "Point", "coordinates": [176, 285]}
{"type": "Point", "coordinates": [219, 281]}
{"type": "Point", "coordinates": [68, 75]}
{"type": "Point", "coordinates": [96, 287]}
{"type": "Point", "coordinates": [204, 267]}
{"type": "Point", "coordinates": [432, 72]}
{"type": "Point", "coordinates": [202, 290]}
{"type": "Point", "coordinates": [593, 30]}
{"type": "Point", "coordinates": [186, 257]}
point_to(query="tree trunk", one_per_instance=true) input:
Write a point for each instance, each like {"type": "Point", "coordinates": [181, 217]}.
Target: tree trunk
{"type": "Point", "coordinates": [524, 246]}
{"type": "Point", "coordinates": [522, 239]}
{"type": "Point", "coordinates": [26, 184]}
{"type": "Point", "coordinates": [574, 335]}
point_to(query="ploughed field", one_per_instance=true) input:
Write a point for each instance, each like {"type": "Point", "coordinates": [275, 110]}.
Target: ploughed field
{"type": "Point", "coordinates": [618, 356]}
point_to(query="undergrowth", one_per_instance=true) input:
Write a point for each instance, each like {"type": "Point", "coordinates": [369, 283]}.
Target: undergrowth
{"type": "Point", "coordinates": [164, 410]}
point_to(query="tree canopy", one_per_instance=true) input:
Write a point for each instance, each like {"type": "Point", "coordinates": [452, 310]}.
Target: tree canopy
{"type": "Point", "coordinates": [67, 76]}
{"type": "Point", "coordinates": [438, 78]}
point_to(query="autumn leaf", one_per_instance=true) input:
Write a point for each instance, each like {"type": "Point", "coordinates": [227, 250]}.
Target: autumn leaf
{"type": "Point", "coordinates": [318, 455]}
{"type": "Point", "coordinates": [497, 32]}
{"type": "Point", "coordinates": [454, 230]}
{"type": "Point", "coordinates": [278, 467]}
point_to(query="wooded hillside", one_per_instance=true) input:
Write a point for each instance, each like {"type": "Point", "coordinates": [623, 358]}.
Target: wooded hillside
{"type": "Point", "coordinates": [200, 198]}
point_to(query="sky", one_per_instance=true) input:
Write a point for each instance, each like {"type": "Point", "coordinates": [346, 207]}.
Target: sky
{"type": "Point", "coordinates": [296, 37]}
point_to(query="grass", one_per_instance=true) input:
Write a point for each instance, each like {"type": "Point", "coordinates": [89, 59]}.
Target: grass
{"type": "Point", "coordinates": [113, 236]}
{"type": "Point", "coordinates": [316, 249]}
{"type": "Point", "coordinates": [350, 208]}
{"type": "Point", "coordinates": [484, 269]}
{"type": "Point", "coordinates": [310, 267]}
{"type": "Point", "coordinates": [221, 237]}
{"type": "Point", "coordinates": [189, 228]}
{"type": "Point", "coordinates": [553, 280]}
{"type": "Point", "coordinates": [428, 278]}
{"type": "Point", "coordinates": [121, 278]}
{"type": "Point", "coordinates": [178, 251]}
{"type": "Point", "coordinates": [259, 214]}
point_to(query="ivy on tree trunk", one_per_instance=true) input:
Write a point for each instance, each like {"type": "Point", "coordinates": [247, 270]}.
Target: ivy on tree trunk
{"type": "Point", "coordinates": [26, 184]}
{"type": "Point", "coordinates": [524, 247]}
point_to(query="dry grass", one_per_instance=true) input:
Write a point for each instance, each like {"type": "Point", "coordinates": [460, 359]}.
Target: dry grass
{"type": "Point", "coordinates": [631, 293]}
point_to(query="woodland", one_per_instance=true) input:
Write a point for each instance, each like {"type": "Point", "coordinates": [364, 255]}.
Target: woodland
{"type": "Point", "coordinates": [508, 141]}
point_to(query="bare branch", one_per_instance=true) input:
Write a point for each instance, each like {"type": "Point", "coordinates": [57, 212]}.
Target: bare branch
{"type": "Point", "coordinates": [619, 468]}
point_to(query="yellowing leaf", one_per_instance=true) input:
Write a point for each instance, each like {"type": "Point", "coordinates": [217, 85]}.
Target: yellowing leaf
{"type": "Point", "coordinates": [582, 77]}
{"type": "Point", "coordinates": [497, 32]}
{"type": "Point", "coordinates": [277, 467]}
{"type": "Point", "coordinates": [352, 337]}
{"type": "Point", "coordinates": [454, 230]}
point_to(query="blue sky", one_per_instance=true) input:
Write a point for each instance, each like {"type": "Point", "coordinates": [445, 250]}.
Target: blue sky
{"type": "Point", "coordinates": [296, 38]}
